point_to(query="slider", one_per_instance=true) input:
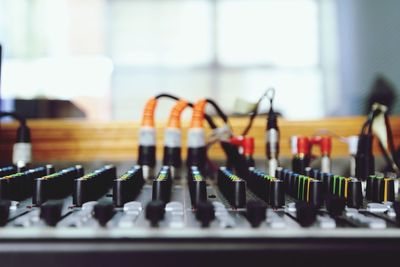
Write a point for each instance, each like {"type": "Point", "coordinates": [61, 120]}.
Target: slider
{"type": "Point", "coordinates": [103, 212]}
{"type": "Point", "coordinates": [335, 205]}
{"type": "Point", "coordinates": [306, 214]}
{"type": "Point", "coordinates": [155, 211]}
{"type": "Point", "coordinates": [50, 212]}
{"type": "Point", "coordinates": [205, 213]}
{"type": "Point", "coordinates": [256, 213]}
{"type": "Point", "coordinates": [4, 212]}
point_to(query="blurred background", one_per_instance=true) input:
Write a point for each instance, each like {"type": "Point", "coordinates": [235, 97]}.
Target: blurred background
{"type": "Point", "coordinates": [102, 59]}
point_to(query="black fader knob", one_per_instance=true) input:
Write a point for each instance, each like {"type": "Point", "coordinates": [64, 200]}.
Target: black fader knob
{"type": "Point", "coordinates": [50, 169]}
{"type": "Point", "coordinates": [4, 211]}
{"type": "Point", "coordinates": [316, 191]}
{"type": "Point", "coordinates": [369, 187]}
{"type": "Point", "coordinates": [50, 212]}
{"type": "Point", "coordinates": [103, 212]}
{"type": "Point", "coordinates": [327, 181]}
{"type": "Point", "coordinates": [205, 213]}
{"type": "Point", "coordinates": [335, 205]}
{"type": "Point", "coordinates": [354, 194]}
{"type": "Point", "coordinates": [155, 212]}
{"type": "Point", "coordinates": [277, 194]}
{"type": "Point", "coordinates": [279, 172]}
{"type": "Point", "coordinates": [256, 212]}
{"type": "Point", "coordinates": [378, 190]}
{"type": "Point", "coordinates": [306, 214]}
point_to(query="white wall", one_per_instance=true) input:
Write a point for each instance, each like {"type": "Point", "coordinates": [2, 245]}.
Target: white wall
{"type": "Point", "coordinates": [369, 44]}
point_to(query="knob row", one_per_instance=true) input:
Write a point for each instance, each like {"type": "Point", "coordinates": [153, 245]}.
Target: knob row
{"type": "Point", "coordinates": [317, 187]}
{"type": "Point", "coordinates": [19, 186]}
{"type": "Point", "coordinates": [380, 189]}
{"type": "Point", "coordinates": [266, 187]}
{"type": "Point", "coordinates": [232, 187]}
{"type": "Point", "coordinates": [55, 186]}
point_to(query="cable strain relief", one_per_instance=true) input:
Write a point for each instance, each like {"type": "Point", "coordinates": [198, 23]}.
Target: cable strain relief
{"type": "Point", "coordinates": [272, 121]}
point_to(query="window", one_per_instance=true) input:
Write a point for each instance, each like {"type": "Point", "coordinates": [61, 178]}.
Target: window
{"type": "Point", "coordinates": [124, 51]}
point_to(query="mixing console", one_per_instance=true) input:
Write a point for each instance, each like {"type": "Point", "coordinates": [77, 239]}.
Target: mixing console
{"type": "Point", "coordinates": [69, 205]}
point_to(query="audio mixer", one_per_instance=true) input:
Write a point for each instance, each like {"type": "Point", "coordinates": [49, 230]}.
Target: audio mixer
{"type": "Point", "coordinates": [177, 212]}
{"type": "Point", "coordinates": [254, 215]}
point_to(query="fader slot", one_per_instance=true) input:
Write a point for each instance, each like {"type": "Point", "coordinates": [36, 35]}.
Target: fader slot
{"type": "Point", "coordinates": [93, 185]}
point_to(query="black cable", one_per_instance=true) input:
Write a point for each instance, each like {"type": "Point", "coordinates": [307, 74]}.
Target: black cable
{"type": "Point", "coordinates": [23, 132]}
{"type": "Point", "coordinates": [254, 112]}
{"type": "Point", "coordinates": [253, 115]}
{"type": "Point", "coordinates": [219, 111]}
{"type": "Point", "coordinates": [167, 96]}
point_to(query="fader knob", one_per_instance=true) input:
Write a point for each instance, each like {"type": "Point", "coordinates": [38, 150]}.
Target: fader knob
{"type": "Point", "coordinates": [378, 190]}
{"type": "Point", "coordinates": [4, 211]}
{"type": "Point", "coordinates": [335, 205]}
{"type": "Point", "coordinates": [50, 212]}
{"type": "Point", "coordinates": [256, 213]}
{"type": "Point", "coordinates": [205, 213]}
{"type": "Point", "coordinates": [369, 187]}
{"type": "Point", "coordinates": [279, 172]}
{"type": "Point", "coordinates": [354, 194]}
{"type": "Point", "coordinates": [277, 194]}
{"type": "Point", "coordinates": [50, 169]}
{"type": "Point", "coordinates": [103, 212]}
{"type": "Point", "coordinates": [327, 179]}
{"type": "Point", "coordinates": [316, 191]}
{"type": "Point", "coordinates": [155, 212]}
{"type": "Point", "coordinates": [389, 193]}
{"type": "Point", "coordinates": [315, 173]}
{"type": "Point", "coordinates": [306, 214]}
{"type": "Point", "coordinates": [308, 171]}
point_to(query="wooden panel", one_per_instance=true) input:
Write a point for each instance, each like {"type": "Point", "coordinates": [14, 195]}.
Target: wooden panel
{"type": "Point", "coordinates": [75, 140]}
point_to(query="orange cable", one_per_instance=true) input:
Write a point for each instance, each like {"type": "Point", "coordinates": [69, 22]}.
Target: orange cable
{"type": "Point", "coordinates": [198, 114]}
{"type": "Point", "coordinates": [174, 120]}
{"type": "Point", "coordinates": [148, 113]}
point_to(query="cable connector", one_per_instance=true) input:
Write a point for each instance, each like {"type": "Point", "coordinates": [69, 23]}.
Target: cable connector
{"type": "Point", "coordinates": [22, 149]}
